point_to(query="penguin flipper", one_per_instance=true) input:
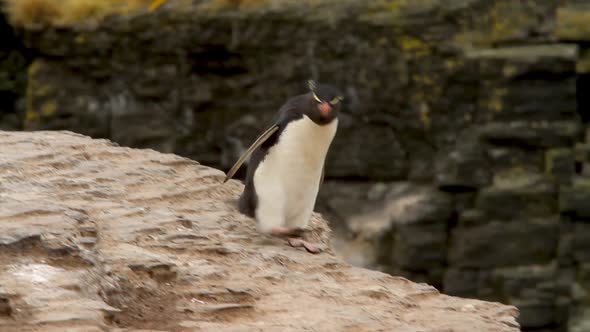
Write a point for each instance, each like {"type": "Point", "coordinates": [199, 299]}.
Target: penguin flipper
{"type": "Point", "coordinates": [261, 139]}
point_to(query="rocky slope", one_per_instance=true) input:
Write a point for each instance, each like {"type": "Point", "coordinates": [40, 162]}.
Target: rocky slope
{"type": "Point", "coordinates": [99, 237]}
{"type": "Point", "coordinates": [462, 155]}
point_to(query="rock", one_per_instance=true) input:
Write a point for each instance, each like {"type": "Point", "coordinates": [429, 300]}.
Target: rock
{"type": "Point", "coordinates": [560, 163]}
{"type": "Point", "coordinates": [504, 160]}
{"type": "Point", "coordinates": [512, 89]}
{"type": "Point", "coordinates": [472, 217]}
{"type": "Point", "coordinates": [582, 154]}
{"type": "Point", "coordinates": [5, 307]}
{"type": "Point", "coordinates": [530, 283]}
{"type": "Point", "coordinates": [420, 247]}
{"type": "Point", "coordinates": [384, 160]}
{"type": "Point", "coordinates": [572, 199]}
{"type": "Point", "coordinates": [138, 275]}
{"type": "Point", "coordinates": [570, 23]}
{"type": "Point", "coordinates": [404, 204]}
{"type": "Point", "coordinates": [579, 316]}
{"type": "Point", "coordinates": [581, 243]}
{"type": "Point", "coordinates": [463, 168]}
{"type": "Point", "coordinates": [478, 246]}
{"type": "Point", "coordinates": [188, 91]}
{"type": "Point", "coordinates": [566, 242]}
{"type": "Point", "coordinates": [337, 202]}
{"type": "Point", "coordinates": [14, 59]}
{"type": "Point", "coordinates": [463, 201]}
{"type": "Point", "coordinates": [533, 287]}
{"type": "Point", "coordinates": [409, 204]}
{"type": "Point", "coordinates": [405, 229]}
{"type": "Point", "coordinates": [84, 112]}
{"type": "Point", "coordinates": [555, 58]}
{"type": "Point", "coordinates": [461, 282]}
{"type": "Point", "coordinates": [517, 195]}
{"type": "Point", "coordinates": [583, 65]}
{"type": "Point", "coordinates": [536, 315]}
{"type": "Point", "coordinates": [532, 134]}
{"type": "Point", "coordinates": [509, 23]}
{"type": "Point", "coordinates": [432, 276]}
{"type": "Point", "coordinates": [579, 321]}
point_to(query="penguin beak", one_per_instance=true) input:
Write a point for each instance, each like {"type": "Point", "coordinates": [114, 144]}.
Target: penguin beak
{"type": "Point", "coordinates": [325, 109]}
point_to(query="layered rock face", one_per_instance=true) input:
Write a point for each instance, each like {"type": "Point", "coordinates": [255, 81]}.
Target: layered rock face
{"type": "Point", "coordinates": [96, 237]}
{"type": "Point", "coordinates": [14, 59]}
{"type": "Point", "coordinates": [462, 155]}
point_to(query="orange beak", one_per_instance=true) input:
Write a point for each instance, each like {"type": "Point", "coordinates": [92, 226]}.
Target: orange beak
{"type": "Point", "coordinates": [325, 109]}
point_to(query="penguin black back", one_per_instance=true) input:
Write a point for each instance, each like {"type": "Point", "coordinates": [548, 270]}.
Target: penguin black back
{"type": "Point", "coordinates": [290, 111]}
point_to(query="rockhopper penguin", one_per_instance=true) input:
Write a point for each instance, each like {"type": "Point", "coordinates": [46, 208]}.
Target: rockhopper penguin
{"type": "Point", "coordinates": [286, 166]}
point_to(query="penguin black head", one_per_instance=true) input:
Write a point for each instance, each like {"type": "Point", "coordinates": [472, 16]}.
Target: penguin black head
{"type": "Point", "coordinates": [324, 102]}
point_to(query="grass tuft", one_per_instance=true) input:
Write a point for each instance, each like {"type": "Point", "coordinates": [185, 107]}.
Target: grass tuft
{"type": "Point", "coordinates": [31, 13]}
{"type": "Point", "coordinates": [35, 13]}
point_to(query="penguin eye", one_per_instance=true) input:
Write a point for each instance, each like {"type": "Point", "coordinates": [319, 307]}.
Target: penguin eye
{"type": "Point", "coordinates": [316, 98]}
{"type": "Point", "coordinates": [336, 100]}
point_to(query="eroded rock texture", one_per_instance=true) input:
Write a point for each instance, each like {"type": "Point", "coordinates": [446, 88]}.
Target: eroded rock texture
{"type": "Point", "coordinates": [96, 237]}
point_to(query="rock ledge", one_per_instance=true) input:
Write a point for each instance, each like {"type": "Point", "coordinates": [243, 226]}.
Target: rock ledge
{"type": "Point", "coordinates": [96, 237]}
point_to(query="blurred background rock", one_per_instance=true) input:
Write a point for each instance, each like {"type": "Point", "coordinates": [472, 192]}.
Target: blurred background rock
{"type": "Point", "coordinates": [463, 154]}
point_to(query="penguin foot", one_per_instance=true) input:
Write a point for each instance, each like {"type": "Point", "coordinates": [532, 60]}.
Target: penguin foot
{"type": "Point", "coordinates": [297, 243]}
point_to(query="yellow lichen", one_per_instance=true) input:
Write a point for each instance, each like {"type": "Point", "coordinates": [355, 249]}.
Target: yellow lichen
{"type": "Point", "coordinates": [495, 102]}
{"type": "Point", "coordinates": [397, 5]}
{"type": "Point", "coordinates": [415, 46]}
{"type": "Point", "coordinates": [401, 7]}
{"type": "Point", "coordinates": [30, 114]}
{"type": "Point", "coordinates": [509, 70]}
{"type": "Point", "coordinates": [451, 64]}
{"type": "Point", "coordinates": [553, 156]}
{"type": "Point", "coordinates": [383, 41]}
{"type": "Point", "coordinates": [510, 175]}
{"type": "Point", "coordinates": [156, 4]}
{"type": "Point", "coordinates": [49, 108]}
{"type": "Point", "coordinates": [572, 23]}
{"type": "Point", "coordinates": [80, 39]}
{"type": "Point", "coordinates": [43, 90]}
{"type": "Point", "coordinates": [423, 80]}
{"type": "Point", "coordinates": [425, 115]}
{"type": "Point", "coordinates": [505, 20]}
{"type": "Point", "coordinates": [30, 13]}
{"type": "Point", "coordinates": [508, 19]}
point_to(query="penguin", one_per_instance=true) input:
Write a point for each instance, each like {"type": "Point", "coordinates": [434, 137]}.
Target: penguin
{"type": "Point", "coordinates": [286, 166]}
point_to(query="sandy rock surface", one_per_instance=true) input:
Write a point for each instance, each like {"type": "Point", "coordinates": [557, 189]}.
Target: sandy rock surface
{"type": "Point", "coordinates": [96, 237]}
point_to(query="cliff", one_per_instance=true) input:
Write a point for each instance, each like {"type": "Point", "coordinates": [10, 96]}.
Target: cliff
{"type": "Point", "coordinates": [97, 237]}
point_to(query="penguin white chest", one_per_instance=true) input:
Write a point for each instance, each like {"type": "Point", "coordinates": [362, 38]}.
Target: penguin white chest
{"type": "Point", "coordinates": [287, 180]}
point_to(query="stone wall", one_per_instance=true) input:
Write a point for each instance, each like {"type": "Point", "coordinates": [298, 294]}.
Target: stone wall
{"type": "Point", "coordinates": [14, 59]}
{"type": "Point", "coordinates": [461, 159]}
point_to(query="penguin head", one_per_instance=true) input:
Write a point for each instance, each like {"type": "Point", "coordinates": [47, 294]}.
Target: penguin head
{"type": "Point", "coordinates": [324, 102]}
